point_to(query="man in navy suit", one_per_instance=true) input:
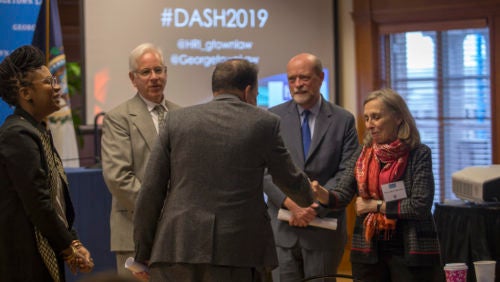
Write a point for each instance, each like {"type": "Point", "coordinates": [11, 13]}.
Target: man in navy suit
{"type": "Point", "coordinates": [320, 136]}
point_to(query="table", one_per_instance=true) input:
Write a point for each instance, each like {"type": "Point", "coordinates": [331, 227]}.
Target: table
{"type": "Point", "coordinates": [469, 232]}
{"type": "Point", "coordinates": [92, 202]}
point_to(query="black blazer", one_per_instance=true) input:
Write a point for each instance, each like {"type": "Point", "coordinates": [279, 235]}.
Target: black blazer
{"type": "Point", "coordinates": [413, 214]}
{"type": "Point", "coordinates": [25, 202]}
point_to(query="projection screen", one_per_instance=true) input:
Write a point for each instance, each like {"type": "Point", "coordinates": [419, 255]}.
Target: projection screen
{"type": "Point", "coordinates": [194, 36]}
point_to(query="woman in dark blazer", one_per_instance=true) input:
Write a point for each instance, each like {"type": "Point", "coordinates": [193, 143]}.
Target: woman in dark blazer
{"type": "Point", "coordinates": [394, 237]}
{"type": "Point", "coordinates": [36, 235]}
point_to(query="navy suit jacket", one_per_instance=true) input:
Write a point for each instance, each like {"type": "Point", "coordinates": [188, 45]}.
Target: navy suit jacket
{"type": "Point", "coordinates": [334, 141]}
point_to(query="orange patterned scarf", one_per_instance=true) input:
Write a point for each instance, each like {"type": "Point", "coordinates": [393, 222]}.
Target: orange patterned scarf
{"type": "Point", "coordinates": [371, 177]}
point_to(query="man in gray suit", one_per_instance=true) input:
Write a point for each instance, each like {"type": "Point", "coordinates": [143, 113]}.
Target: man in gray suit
{"type": "Point", "coordinates": [330, 140]}
{"type": "Point", "coordinates": [200, 214]}
{"type": "Point", "coordinates": [129, 132]}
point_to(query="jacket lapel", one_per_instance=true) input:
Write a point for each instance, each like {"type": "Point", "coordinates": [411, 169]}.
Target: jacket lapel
{"type": "Point", "coordinates": [323, 122]}
{"type": "Point", "coordinates": [291, 131]}
{"type": "Point", "coordinates": [141, 118]}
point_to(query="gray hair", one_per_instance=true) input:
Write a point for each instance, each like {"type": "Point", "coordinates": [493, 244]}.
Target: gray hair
{"type": "Point", "coordinates": [407, 131]}
{"type": "Point", "coordinates": [139, 51]}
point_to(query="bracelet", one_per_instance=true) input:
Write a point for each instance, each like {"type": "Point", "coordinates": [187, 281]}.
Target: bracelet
{"type": "Point", "coordinates": [76, 244]}
{"type": "Point", "coordinates": [323, 205]}
{"type": "Point", "coordinates": [379, 205]}
{"type": "Point", "coordinates": [71, 255]}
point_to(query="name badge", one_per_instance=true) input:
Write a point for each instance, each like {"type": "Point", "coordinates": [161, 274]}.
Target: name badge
{"type": "Point", "coordinates": [394, 191]}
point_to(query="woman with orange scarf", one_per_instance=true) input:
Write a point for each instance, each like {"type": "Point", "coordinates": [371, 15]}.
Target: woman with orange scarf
{"type": "Point", "coordinates": [394, 237]}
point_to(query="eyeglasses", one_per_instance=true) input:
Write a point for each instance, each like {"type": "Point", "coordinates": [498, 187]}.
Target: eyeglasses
{"type": "Point", "coordinates": [146, 73]}
{"type": "Point", "coordinates": [51, 80]}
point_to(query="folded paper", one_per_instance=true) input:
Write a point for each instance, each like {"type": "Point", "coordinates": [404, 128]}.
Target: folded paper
{"type": "Point", "coordinates": [327, 223]}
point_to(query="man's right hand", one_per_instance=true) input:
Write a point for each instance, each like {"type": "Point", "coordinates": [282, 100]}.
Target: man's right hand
{"type": "Point", "coordinates": [142, 276]}
{"type": "Point", "coordinates": [300, 216]}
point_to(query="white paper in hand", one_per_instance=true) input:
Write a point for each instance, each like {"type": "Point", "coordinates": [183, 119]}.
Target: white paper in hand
{"type": "Point", "coordinates": [327, 223]}
{"type": "Point", "coordinates": [134, 266]}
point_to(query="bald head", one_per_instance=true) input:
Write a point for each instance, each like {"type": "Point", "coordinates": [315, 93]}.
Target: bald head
{"type": "Point", "coordinates": [308, 58]}
{"type": "Point", "coordinates": [305, 76]}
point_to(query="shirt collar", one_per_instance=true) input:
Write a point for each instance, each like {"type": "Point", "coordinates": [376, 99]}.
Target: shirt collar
{"type": "Point", "coordinates": [314, 110]}
{"type": "Point", "coordinates": [152, 105]}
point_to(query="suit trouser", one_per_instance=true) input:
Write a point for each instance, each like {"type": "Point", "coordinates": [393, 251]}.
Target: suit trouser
{"type": "Point", "coordinates": [168, 272]}
{"type": "Point", "coordinates": [298, 263]}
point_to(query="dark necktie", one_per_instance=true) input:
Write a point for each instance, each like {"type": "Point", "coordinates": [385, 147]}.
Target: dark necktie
{"type": "Point", "coordinates": [160, 112]}
{"type": "Point", "coordinates": [306, 133]}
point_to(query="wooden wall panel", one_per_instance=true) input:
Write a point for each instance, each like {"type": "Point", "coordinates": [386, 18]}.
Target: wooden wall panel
{"type": "Point", "coordinates": [495, 85]}
{"type": "Point", "coordinates": [430, 10]}
{"type": "Point", "coordinates": [371, 15]}
{"type": "Point", "coordinates": [69, 13]}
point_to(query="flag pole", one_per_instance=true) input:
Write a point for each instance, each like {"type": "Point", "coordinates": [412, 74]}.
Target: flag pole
{"type": "Point", "coordinates": [47, 32]}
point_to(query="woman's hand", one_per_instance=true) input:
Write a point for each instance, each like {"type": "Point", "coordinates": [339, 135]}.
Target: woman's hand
{"type": "Point", "coordinates": [85, 263]}
{"type": "Point", "coordinates": [365, 205]}
{"type": "Point", "coordinates": [320, 193]}
{"type": "Point", "coordinates": [78, 258]}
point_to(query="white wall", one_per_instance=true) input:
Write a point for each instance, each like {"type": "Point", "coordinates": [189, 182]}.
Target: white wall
{"type": "Point", "coordinates": [347, 57]}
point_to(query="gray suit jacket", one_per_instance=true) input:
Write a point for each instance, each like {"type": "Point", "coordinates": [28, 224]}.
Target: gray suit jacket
{"type": "Point", "coordinates": [128, 137]}
{"type": "Point", "coordinates": [214, 156]}
{"type": "Point", "coordinates": [334, 141]}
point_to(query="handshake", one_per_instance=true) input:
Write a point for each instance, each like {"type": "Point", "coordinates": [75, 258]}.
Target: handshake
{"type": "Point", "coordinates": [78, 258]}
{"type": "Point", "coordinates": [303, 216]}
{"type": "Point", "coordinates": [362, 205]}
{"type": "Point", "coordinates": [320, 193]}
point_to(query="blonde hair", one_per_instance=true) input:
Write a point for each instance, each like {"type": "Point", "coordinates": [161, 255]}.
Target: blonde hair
{"type": "Point", "coordinates": [407, 131]}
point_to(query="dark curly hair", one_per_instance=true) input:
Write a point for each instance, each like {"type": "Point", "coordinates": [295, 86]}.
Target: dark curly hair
{"type": "Point", "coordinates": [14, 69]}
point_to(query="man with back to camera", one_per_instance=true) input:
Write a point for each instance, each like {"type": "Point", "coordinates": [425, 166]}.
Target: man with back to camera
{"type": "Point", "coordinates": [200, 214]}
{"type": "Point", "coordinates": [330, 136]}
{"type": "Point", "coordinates": [129, 132]}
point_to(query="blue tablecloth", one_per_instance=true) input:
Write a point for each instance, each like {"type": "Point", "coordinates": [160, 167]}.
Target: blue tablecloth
{"type": "Point", "coordinates": [92, 203]}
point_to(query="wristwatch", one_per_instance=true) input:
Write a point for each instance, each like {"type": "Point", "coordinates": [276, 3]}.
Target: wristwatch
{"type": "Point", "coordinates": [379, 204]}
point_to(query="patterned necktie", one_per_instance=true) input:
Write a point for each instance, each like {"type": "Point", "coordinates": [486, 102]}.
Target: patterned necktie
{"type": "Point", "coordinates": [306, 133]}
{"type": "Point", "coordinates": [160, 113]}
{"type": "Point", "coordinates": [55, 170]}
